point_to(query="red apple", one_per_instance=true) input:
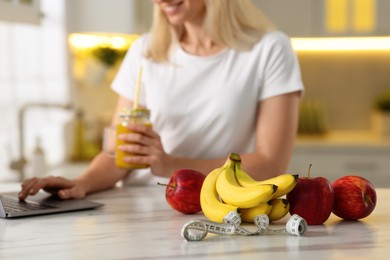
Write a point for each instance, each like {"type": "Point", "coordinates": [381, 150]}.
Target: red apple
{"type": "Point", "coordinates": [183, 190]}
{"type": "Point", "coordinates": [312, 199]}
{"type": "Point", "coordinates": [354, 197]}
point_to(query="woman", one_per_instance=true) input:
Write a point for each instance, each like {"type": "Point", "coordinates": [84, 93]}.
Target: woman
{"type": "Point", "coordinates": [217, 80]}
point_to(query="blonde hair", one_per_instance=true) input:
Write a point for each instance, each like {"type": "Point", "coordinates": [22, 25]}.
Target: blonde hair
{"type": "Point", "coordinates": [236, 24]}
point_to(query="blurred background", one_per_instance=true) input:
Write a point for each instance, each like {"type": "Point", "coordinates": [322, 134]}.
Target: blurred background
{"type": "Point", "coordinates": [58, 57]}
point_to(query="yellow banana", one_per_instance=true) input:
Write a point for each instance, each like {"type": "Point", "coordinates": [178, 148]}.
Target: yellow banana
{"type": "Point", "coordinates": [232, 193]}
{"type": "Point", "coordinates": [285, 182]}
{"type": "Point", "coordinates": [248, 215]}
{"type": "Point", "coordinates": [280, 208]}
{"type": "Point", "coordinates": [212, 207]}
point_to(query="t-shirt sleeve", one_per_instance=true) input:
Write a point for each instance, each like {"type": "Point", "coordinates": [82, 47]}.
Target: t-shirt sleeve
{"type": "Point", "coordinates": [125, 80]}
{"type": "Point", "coordinates": [281, 71]}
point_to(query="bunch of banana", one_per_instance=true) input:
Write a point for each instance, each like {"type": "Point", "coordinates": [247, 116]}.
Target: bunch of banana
{"type": "Point", "coordinates": [231, 192]}
{"type": "Point", "coordinates": [229, 188]}
{"type": "Point", "coordinates": [285, 182]}
{"type": "Point", "coordinates": [280, 208]}
{"type": "Point", "coordinates": [248, 215]}
{"type": "Point", "coordinates": [211, 205]}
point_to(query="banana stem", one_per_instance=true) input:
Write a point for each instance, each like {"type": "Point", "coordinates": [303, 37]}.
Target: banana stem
{"type": "Point", "coordinates": [234, 157]}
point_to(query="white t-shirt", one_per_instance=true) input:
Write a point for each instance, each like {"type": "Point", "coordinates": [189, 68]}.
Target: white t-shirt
{"type": "Point", "coordinates": [205, 107]}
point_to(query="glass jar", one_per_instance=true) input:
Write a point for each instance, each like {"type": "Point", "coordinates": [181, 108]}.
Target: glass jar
{"type": "Point", "coordinates": [129, 116]}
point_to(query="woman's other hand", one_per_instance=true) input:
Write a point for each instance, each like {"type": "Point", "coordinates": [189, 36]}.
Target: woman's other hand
{"type": "Point", "coordinates": [62, 187]}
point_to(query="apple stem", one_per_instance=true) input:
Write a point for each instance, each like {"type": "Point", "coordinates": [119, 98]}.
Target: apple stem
{"type": "Point", "coordinates": [367, 198]}
{"type": "Point", "coordinates": [166, 185]}
{"type": "Point", "coordinates": [309, 171]}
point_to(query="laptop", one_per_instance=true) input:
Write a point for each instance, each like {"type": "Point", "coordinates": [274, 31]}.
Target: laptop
{"type": "Point", "coordinates": [39, 204]}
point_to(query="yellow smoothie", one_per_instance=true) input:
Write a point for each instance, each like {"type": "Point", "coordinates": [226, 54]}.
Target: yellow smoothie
{"type": "Point", "coordinates": [121, 128]}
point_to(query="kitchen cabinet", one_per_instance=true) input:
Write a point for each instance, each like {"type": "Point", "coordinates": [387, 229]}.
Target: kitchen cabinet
{"type": "Point", "coordinates": [20, 11]}
{"type": "Point", "coordinates": [336, 160]}
{"type": "Point", "coordinates": [326, 18]}
{"type": "Point", "coordinates": [102, 16]}
{"type": "Point", "coordinates": [383, 21]}
{"type": "Point", "coordinates": [292, 17]}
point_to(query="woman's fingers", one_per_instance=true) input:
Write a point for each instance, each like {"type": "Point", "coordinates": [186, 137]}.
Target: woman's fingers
{"type": "Point", "coordinates": [50, 184]}
{"type": "Point", "coordinates": [28, 187]}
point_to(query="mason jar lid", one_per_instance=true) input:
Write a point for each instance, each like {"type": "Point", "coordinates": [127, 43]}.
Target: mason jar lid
{"type": "Point", "coordinates": [127, 112]}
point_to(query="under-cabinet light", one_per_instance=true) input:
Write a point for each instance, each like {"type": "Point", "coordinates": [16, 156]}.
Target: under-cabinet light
{"type": "Point", "coordinates": [342, 44]}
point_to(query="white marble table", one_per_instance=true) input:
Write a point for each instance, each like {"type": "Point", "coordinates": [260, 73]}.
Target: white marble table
{"type": "Point", "coordinates": [137, 223]}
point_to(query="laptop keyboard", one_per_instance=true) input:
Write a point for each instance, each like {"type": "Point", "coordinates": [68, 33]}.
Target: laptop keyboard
{"type": "Point", "coordinates": [15, 205]}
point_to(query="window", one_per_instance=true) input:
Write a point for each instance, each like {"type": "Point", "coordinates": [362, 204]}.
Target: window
{"type": "Point", "coordinates": [33, 69]}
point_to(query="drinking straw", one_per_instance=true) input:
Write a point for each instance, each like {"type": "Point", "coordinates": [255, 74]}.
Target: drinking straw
{"type": "Point", "coordinates": [137, 90]}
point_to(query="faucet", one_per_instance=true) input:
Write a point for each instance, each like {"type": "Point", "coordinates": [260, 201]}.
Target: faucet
{"type": "Point", "coordinates": [20, 163]}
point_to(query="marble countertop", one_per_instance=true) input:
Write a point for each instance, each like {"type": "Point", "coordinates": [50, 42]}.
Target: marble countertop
{"type": "Point", "coordinates": [137, 223]}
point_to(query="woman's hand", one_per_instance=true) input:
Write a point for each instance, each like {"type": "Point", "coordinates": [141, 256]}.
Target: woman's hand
{"type": "Point", "coordinates": [64, 188]}
{"type": "Point", "coordinates": [146, 144]}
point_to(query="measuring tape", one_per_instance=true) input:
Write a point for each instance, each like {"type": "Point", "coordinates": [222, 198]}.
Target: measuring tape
{"type": "Point", "coordinates": [196, 230]}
